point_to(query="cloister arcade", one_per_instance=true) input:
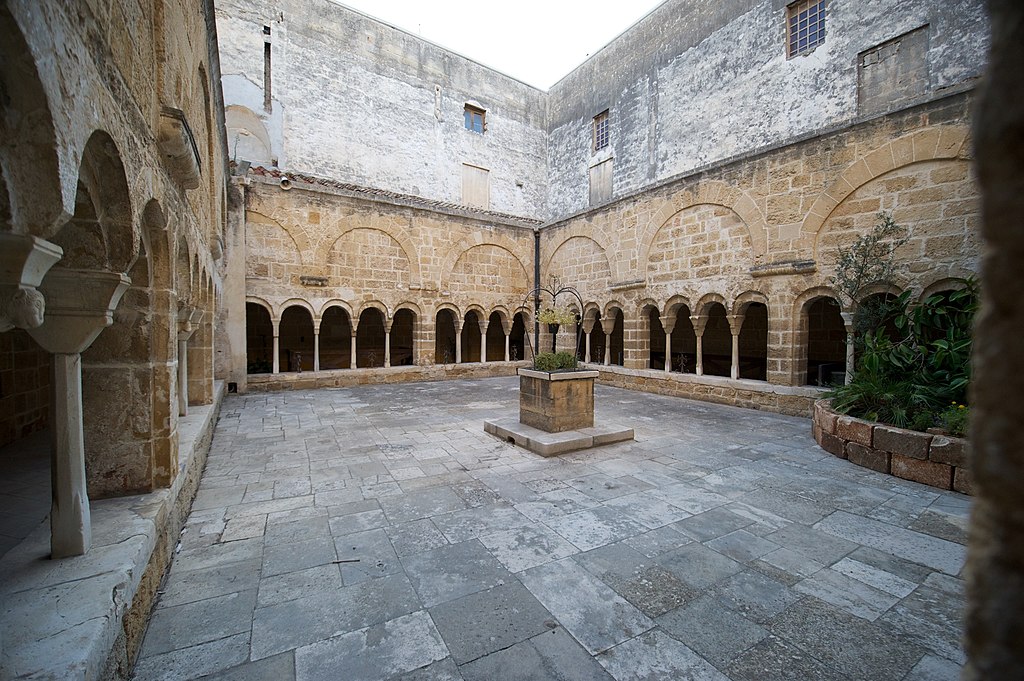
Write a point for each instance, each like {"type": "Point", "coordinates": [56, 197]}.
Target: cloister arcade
{"type": "Point", "coordinates": [712, 336]}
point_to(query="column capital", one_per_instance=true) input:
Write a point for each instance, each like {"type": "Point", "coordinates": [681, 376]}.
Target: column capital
{"type": "Point", "coordinates": [847, 321]}
{"type": "Point", "coordinates": [24, 261]}
{"type": "Point", "coordinates": [735, 323]}
{"type": "Point", "coordinates": [81, 305]}
{"type": "Point", "coordinates": [699, 321]}
{"type": "Point", "coordinates": [189, 317]}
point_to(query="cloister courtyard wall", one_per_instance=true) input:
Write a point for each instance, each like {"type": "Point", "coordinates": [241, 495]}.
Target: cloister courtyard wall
{"type": "Point", "coordinates": [745, 248]}
{"type": "Point", "coordinates": [705, 257]}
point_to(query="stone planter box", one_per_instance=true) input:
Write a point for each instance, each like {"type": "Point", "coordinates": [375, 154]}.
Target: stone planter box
{"type": "Point", "coordinates": [556, 401]}
{"type": "Point", "coordinates": [936, 460]}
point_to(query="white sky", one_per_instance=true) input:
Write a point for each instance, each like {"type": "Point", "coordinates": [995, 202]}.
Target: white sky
{"type": "Point", "coordinates": [536, 41]}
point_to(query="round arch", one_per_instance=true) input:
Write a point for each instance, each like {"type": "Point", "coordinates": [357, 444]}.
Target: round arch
{"type": "Point", "coordinates": [593, 236]}
{"type": "Point", "coordinates": [456, 252]}
{"type": "Point", "coordinates": [928, 144]}
{"type": "Point", "coordinates": [398, 233]}
{"type": "Point", "coordinates": [713, 193]}
{"type": "Point", "coordinates": [29, 166]}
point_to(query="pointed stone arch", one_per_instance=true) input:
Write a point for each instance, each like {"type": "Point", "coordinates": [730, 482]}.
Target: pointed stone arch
{"type": "Point", "coordinates": [101, 234]}
{"type": "Point", "coordinates": [744, 300]}
{"type": "Point", "coordinates": [710, 299]}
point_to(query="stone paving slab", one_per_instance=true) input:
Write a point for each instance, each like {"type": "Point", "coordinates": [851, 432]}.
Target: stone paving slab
{"type": "Point", "coordinates": [378, 532]}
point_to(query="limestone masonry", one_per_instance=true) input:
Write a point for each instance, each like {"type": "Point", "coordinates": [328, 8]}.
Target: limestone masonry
{"type": "Point", "coordinates": [693, 180]}
{"type": "Point", "coordinates": [200, 197]}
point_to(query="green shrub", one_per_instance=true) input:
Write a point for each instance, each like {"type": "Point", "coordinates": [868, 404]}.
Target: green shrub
{"type": "Point", "coordinates": [914, 363]}
{"type": "Point", "coordinates": [565, 360]}
{"type": "Point", "coordinates": [554, 361]}
{"type": "Point", "coordinates": [545, 361]}
{"type": "Point", "coordinates": [955, 418]}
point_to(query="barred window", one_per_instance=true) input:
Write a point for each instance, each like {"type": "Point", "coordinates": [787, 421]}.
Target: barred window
{"type": "Point", "coordinates": [601, 130]}
{"type": "Point", "coordinates": [805, 26]}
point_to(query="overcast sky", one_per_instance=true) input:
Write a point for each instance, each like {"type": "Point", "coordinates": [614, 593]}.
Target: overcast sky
{"type": "Point", "coordinates": [536, 41]}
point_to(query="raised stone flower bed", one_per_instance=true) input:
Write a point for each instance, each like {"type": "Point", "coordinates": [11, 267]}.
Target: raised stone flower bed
{"type": "Point", "coordinates": [936, 460]}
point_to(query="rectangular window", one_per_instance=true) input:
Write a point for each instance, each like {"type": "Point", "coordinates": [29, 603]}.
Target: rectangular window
{"type": "Point", "coordinates": [601, 131]}
{"type": "Point", "coordinates": [601, 183]}
{"type": "Point", "coordinates": [475, 119]}
{"type": "Point", "coordinates": [805, 26]}
{"type": "Point", "coordinates": [476, 186]}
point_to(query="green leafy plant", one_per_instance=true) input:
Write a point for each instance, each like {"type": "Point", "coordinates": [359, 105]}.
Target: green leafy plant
{"type": "Point", "coordinates": [554, 361]}
{"type": "Point", "coordinates": [915, 362]}
{"type": "Point", "coordinates": [870, 259]}
{"type": "Point", "coordinates": [955, 418]}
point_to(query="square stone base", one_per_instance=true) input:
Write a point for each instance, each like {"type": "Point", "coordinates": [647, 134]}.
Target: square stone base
{"type": "Point", "coordinates": [556, 401]}
{"type": "Point", "coordinates": [550, 444]}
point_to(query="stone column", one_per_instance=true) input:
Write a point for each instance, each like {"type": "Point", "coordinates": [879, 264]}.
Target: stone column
{"type": "Point", "coordinates": [276, 321]}
{"type": "Point", "coordinates": [508, 342]}
{"type": "Point", "coordinates": [316, 345]}
{"type": "Point", "coordinates": [188, 319]}
{"type": "Point", "coordinates": [387, 343]}
{"type": "Point", "coordinates": [668, 323]}
{"type": "Point", "coordinates": [24, 261]}
{"type": "Point", "coordinates": [483, 340]}
{"type": "Point", "coordinates": [699, 322]}
{"type": "Point", "coordinates": [352, 360]}
{"type": "Point", "coordinates": [458, 342]}
{"type": "Point", "coordinates": [608, 348]}
{"type": "Point", "coordinates": [735, 326]}
{"type": "Point", "coordinates": [848, 323]}
{"type": "Point", "coordinates": [588, 326]}
{"type": "Point", "coordinates": [80, 305]}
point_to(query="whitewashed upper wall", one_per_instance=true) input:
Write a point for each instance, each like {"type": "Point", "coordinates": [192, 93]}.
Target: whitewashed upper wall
{"type": "Point", "coordinates": [693, 83]}
{"type": "Point", "coordinates": [697, 82]}
{"type": "Point", "coordinates": [362, 102]}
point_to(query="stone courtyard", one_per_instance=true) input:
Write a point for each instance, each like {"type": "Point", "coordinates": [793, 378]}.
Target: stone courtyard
{"type": "Point", "coordinates": [378, 532]}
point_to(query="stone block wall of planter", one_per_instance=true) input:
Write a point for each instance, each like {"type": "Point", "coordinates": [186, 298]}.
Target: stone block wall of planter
{"type": "Point", "coordinates": [936, 460]}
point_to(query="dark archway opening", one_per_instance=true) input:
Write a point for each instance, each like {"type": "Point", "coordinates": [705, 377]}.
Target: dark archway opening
{"type": "Point", "coordinates": [444, 337]}
{"type": "Point", "coordinates": [402, 327]}
{"type": "Point", "coordinates": [335, 339]}
{"type": "Point", "coordinates": [370, 339]}
{"type": "Point", "coordinates": [753, 343]}
{"type": "Point", "coordinates": [717, 342]}
{"type": "Point", "coordinates": [296, 340]}
{"type": "Point", "coordinates": [826, 343]}
{"type": "Point", "coordinates": [471, 337]}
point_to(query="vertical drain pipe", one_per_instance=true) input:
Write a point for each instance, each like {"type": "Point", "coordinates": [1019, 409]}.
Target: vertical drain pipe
{"type": "Point", "coordinates": [536, 290]}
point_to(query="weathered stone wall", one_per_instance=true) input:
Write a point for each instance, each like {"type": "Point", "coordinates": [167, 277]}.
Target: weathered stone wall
{"type": "Point", "coordinates": [113, 161]}
{"type": "Point", "coordinates": [765, 228]}
{"type": "Point", "coordinates": [695, 83]}
{"type": "Point", "coordinates": [367, 250]}
{"type": "Point", "coordinates": [395, 115]}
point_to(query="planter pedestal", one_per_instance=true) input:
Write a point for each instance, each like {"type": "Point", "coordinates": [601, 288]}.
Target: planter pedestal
{"type": "Point", "coordinates": [556, 414]}
{"type": "Point", "coordinates": [556, 401]}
